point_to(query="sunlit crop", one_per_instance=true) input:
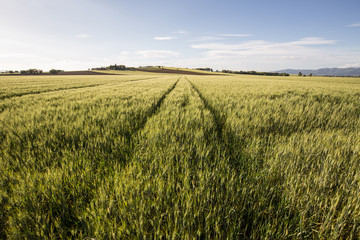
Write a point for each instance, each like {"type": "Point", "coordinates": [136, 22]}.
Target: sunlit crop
{"type": "Point", "coordinates": [183, 157]}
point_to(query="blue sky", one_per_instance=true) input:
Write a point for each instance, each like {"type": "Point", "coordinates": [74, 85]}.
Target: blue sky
{"type": "Point", "coordinates": [260, 35]}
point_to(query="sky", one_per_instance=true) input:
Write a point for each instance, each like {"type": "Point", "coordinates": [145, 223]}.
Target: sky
{"type": "Point", "coordinates": [260, 35]}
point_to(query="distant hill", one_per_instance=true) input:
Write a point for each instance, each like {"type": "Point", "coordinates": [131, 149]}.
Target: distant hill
{"type": "Point", "coordinates": [325, 71]}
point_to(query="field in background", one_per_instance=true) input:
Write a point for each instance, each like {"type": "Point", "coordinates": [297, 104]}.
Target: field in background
{"type": "Point", "coordinates": [161, 70]}
{"type": "Point", "coordinates": [146, 155]}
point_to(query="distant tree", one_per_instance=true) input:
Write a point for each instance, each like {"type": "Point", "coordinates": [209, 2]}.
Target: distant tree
{"type": "Point", "coordinates": [205, 69]}
{"type": "Point", "coordinates": [310, 74]}
{"type": "Point", "coordinates": [11, 72]}
{"type": "Point", "coordinates": [116, 67]}
{"type": "Point", "coordinates": [99, 68]}
{"type": "Point", "coordinates": [256, 73]}
{"type": "Point", "coordinates": [31, 72]}
{"type": "Point", "coordinates": [300, 74]}
{"type": "Point", "coordinates": [54, 71]}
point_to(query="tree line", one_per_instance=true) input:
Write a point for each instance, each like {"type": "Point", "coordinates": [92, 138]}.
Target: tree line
{"type": "Point", "coordinates": [114, 67]}
{"type": "Point", "coordinates": [256, 73]}
{"type": "Point", "coordinates": [33, 71]}
{"type": "Point", "coordinates": [205, 69]}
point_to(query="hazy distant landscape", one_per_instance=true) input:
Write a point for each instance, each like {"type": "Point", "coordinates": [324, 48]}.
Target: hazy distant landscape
{"type": "Point", "coordinates": [340, 72]}
{"type": "Point", "coordinates": [325, 71]}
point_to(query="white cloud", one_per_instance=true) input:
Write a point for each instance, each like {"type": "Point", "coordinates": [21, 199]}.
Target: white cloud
{"type": "Point", "coordinates": [357, 24]}
{"type": "Point", "coordinates": [206, 38]}
{"type": "Point", "coordinates": [124, 53]}
{"type": "Point", "coordinates": [313, 41]}
{"type": "Point", "coordinates": [218, 37]}
{"type": "Point", "coordinates": [290, 58]}
{"type": "Point", "coordinates": [164, 38]}
{"type": "Point", "coordinates": [235, 35]}
{"type": "Point", "coordinates": [157, 53]}
{"type": "Point", "coordinates": [351, 65]}
{"type": "Point", "coordinates": [264, 55]}
{"type": "Point", "coordinates": [19, 55]}
{"type": "Point", "coordinates": [261, 47]}
{"type": "Point", "coordinates": [83, 36]}
{"type": "Point", "coordinates": [181, 32]}
{"type": "Point", "coordinates": [223, 46]}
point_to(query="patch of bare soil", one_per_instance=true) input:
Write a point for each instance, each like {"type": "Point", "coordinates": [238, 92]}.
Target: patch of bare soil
{"type": "Point", "coordinates": [79, 73]}
{"type": "Point", "coordinates": [171, 71]}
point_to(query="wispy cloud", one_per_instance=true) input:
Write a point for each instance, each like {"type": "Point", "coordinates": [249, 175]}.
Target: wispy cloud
{"type": "Point", "coordinates": [83, 36]}
{"type": "Point", "coordinates": [181, 32]}
{"type": "Point", "coordinates": [357, 24]}
{"type": "Point", "coordinates": [125, 53]}
{"type": "Point", "coordinates": [223, 46]}
{"type": "Point", "coordinates": [206, 38]}
{"type": "Point", "coordinates": [234, 35]}
{"type": "Point", "coordinates": [351, 65]}
{"type": "Point", "coordinates": [157, 53]}
{"type": "Point", "coordinates": [164, 38]}
{"type": "Point", "coordinates": [218, 37]}
{"type": "Point", "coordinates": [262, 45]}
{"type": "Point", "coordinates": [313, 41]}
{"type": "Point", "coordinates": [264, 52]}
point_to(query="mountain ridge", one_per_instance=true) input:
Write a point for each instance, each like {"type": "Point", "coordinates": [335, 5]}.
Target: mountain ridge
{"type": "Point", "coordinates": [353, 71]}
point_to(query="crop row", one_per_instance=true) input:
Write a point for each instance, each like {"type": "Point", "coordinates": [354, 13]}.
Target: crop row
{"type": "Point", "coordinates": [302, 140]}
{"type": "Point", "coordinates": [57, 148]}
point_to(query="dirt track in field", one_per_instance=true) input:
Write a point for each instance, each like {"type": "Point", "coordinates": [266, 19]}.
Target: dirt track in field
{"type": "Point", "coordinates": [62, 73]}
{"type": "Point", "coordinates": [160, 70]}
{"type": "Point", "coordinates": [80, 73]}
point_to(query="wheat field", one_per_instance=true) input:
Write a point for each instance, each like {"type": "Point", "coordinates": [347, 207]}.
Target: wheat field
{"type": "Point", "coordinates": [166, 156]}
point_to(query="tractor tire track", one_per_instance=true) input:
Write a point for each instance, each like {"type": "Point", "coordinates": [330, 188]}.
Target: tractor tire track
{"type": "Point", "coordinates": [124, 153]}
{"type": "Point", "coordinates": [130, 134]}
{"type": "Point", "coordinates": [218, 117]}
{"type": "Point", "coordinates": [229, 142]}
{"type": "Point", "coordinates": [154, 108]}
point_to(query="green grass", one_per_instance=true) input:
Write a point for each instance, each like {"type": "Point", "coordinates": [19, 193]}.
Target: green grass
{"type": "Point", "coordinates": [181, 157]}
